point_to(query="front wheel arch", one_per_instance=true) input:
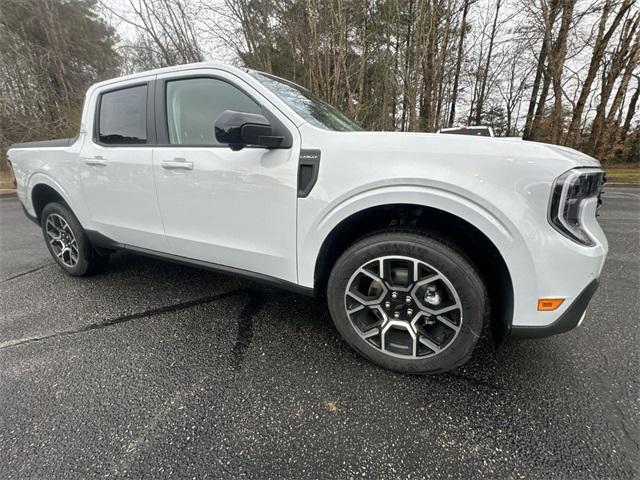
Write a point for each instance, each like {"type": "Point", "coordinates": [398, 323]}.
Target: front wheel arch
{"type": "Point", "coordinates": [465, 236]}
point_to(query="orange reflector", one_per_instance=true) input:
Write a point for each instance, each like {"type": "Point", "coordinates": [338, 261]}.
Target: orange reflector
{"type": "Point", "coordinates": [549, 304]}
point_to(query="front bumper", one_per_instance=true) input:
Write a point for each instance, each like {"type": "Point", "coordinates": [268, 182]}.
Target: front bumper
{"type": "Point", "coordinates": [567, 321]}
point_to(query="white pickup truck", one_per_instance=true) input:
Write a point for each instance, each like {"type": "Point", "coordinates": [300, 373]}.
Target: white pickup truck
{"type": "Point", "coordinates": [420, 242]}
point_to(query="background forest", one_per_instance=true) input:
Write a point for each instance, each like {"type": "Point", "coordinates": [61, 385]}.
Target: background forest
{"type": "Point", "coordinates": [559, 71]}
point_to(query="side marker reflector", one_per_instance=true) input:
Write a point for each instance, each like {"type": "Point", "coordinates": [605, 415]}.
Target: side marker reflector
{"type": "Point", "coordinates": [549, 304]}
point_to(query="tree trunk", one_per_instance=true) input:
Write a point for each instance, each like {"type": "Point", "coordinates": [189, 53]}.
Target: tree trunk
{"type": "Point", "coordinates": [618, 63]}
{"type": "Point", "coordinates": [631, 111]}
{"type": "Point", "coordinates": [537, 104]}
{"type": "Point", "coordinates": [485, 74]}
{"type": "Point", "coordinates": [609, 130]}
{"type": "Point", "coordinates": [405, 83]}
{"type": "Point", "coordinates": [601, 42]}
{"type": "Point", "coordinates": [557, 66]}
{"type": "Point", "coordinates": [528, 124]}
{"type": "Point", "coordinates": [456, 76]}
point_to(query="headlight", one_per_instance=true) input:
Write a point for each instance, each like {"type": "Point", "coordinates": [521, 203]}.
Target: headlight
{"type": "Point", "coordinates": [570, 192]}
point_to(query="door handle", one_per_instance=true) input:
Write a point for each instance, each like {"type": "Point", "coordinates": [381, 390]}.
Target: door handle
{"type": "Point", "coordinates": [96, 161]}
{"type": "Point", "coordinates": [177, 164]}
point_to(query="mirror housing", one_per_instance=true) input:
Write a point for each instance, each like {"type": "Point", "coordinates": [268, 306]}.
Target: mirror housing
{"type": "Point", "coordinates": [239, 129]}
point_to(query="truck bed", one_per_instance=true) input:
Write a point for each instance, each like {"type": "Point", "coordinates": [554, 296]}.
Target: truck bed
{"type": "Point", "coordinates": [61, 142]}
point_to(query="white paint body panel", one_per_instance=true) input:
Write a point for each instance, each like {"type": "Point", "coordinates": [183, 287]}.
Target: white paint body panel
{"type": "Point", "coordinates": [120, 196]}
{"type": "Point", "coordinates": [499, 186]}
{"type": "Point", "coordinates": [240, 209]}
{"type": "Point", "coordinates": [217, 213]}
{"type": "Point", "coordinates": [233, 208]}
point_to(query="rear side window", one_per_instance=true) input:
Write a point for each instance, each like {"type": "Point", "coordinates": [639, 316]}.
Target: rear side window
{"type": "Point", "coordinates": [194, 104]}
{"type": "Point", "coordinates": [123, 116]}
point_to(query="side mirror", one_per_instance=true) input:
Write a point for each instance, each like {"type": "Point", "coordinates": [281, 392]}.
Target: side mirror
{"type": "Point", "coordinates": [239, 129]}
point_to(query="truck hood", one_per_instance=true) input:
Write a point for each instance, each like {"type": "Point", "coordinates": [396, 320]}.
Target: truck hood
{"type": "Point", "coordinates": [489, 151]}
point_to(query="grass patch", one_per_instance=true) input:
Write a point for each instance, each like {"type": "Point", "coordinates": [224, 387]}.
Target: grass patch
{"type": "Point", "coordinates": [5, 180]}
{"type": "Point", "coordinates": [626, 175]}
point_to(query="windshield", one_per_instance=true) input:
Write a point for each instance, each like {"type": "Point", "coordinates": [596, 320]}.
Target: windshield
{"type": "Point", "coordinates": [307, 105]}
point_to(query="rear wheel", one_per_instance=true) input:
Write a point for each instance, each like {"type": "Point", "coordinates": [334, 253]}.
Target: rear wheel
{"type": "Point", "coordinates": [408, 302]}
{"type": "Point", "coordinates": [68, 243]}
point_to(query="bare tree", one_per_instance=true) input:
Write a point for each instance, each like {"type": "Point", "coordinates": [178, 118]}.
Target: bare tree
{"type": "Point", "coordinates": [165, 28]}
{"type": "Point", "coordinates": [601, 42]}
{"type": "Point", "coordinates": [50, 52]}
{"type": "Point", "coordinates": [513, 86]}
{"type": "Point", "coordinates": [411, 65]}
{"type": "Point", "coordinates": [557, 57]}
{"type": "Point", "coordinates": [623, 62]}
{"type": "Point", "coordinates": [458, 64]}
{"type": "Point", "coordinates": [485, 72]}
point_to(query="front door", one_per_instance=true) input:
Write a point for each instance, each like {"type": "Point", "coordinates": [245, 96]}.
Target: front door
{"type": "Point", "coordinates": [230, 208]}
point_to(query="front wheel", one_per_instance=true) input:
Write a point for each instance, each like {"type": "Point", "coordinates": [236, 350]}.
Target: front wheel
{"type": "Point", "coordinates": [408, 302]}
{"type": "Point", "coordinates": [68, 243]}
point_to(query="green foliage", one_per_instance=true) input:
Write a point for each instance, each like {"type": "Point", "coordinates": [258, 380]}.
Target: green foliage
{"type": "Point", "coordinates": [51, 51]}
{"type": "Point", "coordinates": [494, 116]}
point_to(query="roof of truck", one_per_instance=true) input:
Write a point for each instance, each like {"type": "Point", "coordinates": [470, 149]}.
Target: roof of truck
{"type": "Point", "coordinates": [157, 71]}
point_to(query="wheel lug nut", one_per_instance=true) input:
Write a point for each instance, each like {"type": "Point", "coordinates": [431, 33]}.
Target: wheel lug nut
{"type": "Point", "coordinates": [407, 299]}
{"type": "Point", "coordinates": [409, 312]}
{"type": "Point", "coordinates": [394, 295]}
{"type": "Point", "coordinates": [387, 305]}
{"type": "Point", "coordinates": [396, 315]}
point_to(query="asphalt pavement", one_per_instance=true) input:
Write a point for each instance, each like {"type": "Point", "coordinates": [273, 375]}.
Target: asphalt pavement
{"type": "Point", "coordinates": [154, 370]}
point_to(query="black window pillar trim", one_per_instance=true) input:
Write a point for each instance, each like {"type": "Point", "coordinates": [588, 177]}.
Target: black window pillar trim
{"type": "Point", "coordinates": [160, 112]}
{"type": "Point", "coordinates": [152, 129]}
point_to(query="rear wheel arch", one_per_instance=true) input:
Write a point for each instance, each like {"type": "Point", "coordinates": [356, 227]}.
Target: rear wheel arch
{"type": "Point", "coordinates": [43, 194]}
{"type": "Point", "coordinates": [460, 233]}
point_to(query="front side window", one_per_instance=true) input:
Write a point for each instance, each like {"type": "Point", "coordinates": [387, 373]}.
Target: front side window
{"type": "Point", "coordinates": [123, 116]}
{"type": "Point", "coordinates": [194, 104]}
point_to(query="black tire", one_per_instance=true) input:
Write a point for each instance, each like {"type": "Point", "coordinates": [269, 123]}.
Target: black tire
{"type": "Point", "coordinates": [436, 252]}
{"type": "Point", "coordinates": [88, 260]}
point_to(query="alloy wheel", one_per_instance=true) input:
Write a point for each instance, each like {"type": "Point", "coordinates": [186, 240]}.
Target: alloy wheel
{"type": "Point", "coordinates": [403, 306]}
{"type": "Point", "coordinates": [62, 240]}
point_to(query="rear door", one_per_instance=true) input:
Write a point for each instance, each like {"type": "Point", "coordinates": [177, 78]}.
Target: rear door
{"type": "Point", "coordinates": [116, 167]}
{"type": "Point", "coordinates": [230, 208]}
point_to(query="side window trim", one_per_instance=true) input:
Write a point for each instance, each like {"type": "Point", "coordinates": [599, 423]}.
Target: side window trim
{"type": "Point", "coordinates": [161, 119]}
{"type": "Point", "coordinates": [150, 114]}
